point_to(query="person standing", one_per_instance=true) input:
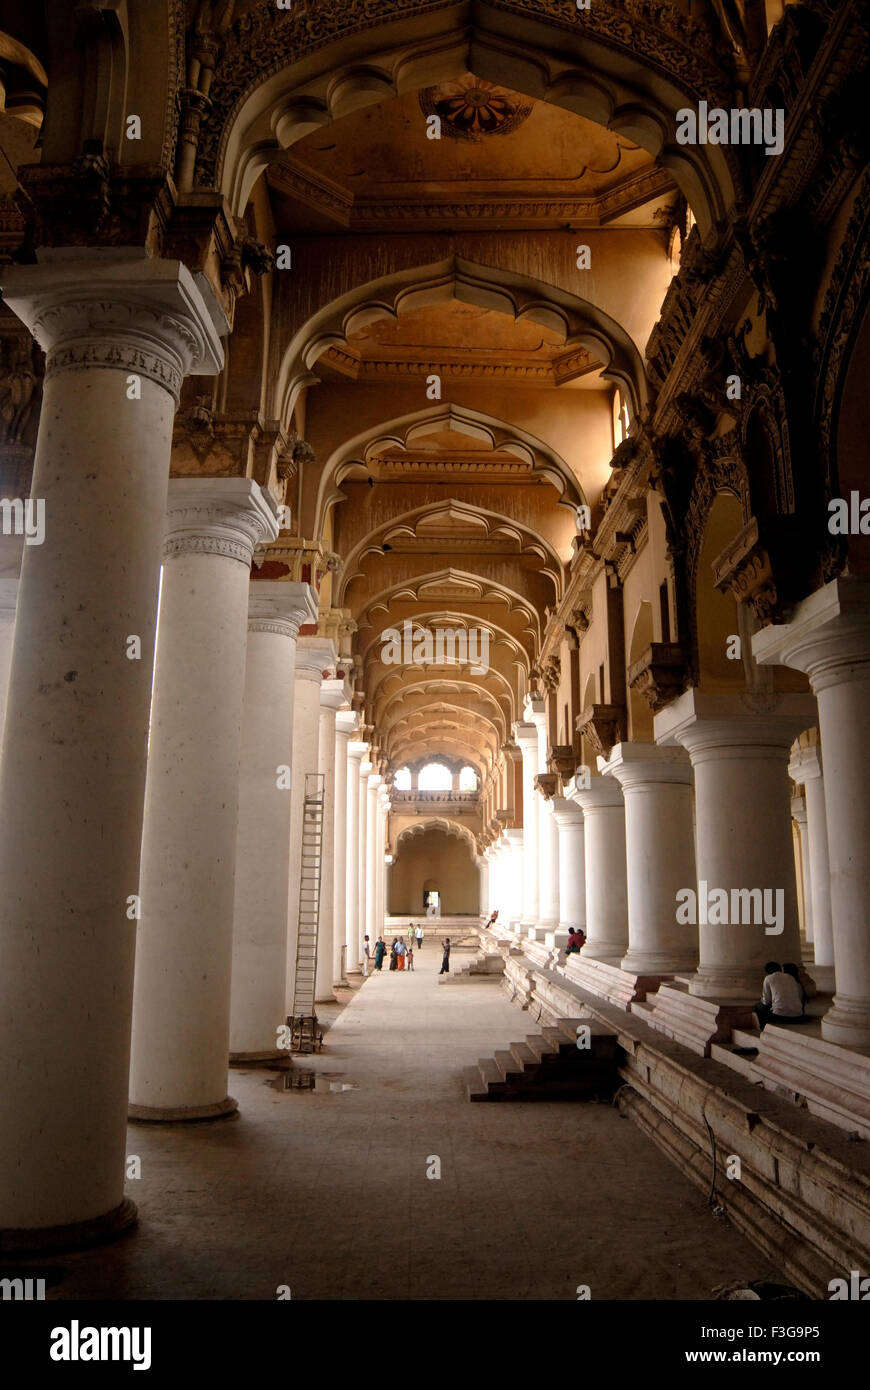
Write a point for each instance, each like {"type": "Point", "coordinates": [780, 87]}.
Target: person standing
{"type": "Point", "coordinates": [366, 957]}
{"type": "Point", "coordinates": [394, 959]}
{"type": "Point", "coordinates": [409, 956]}
{"type": "Point", "coordinates": [380, 952]}
{"type": "Point", "coordinates": [419, 937]}
{"type": "Point", "coordinates": [445, 958]}
{"type": "Point", "coordinates": [411, 934]}
{"type": "Point", "coordinates": [400, 954]}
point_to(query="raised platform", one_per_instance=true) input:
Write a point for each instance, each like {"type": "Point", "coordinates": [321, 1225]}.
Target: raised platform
{"type": "Point", "coordinates": [803, 1194]}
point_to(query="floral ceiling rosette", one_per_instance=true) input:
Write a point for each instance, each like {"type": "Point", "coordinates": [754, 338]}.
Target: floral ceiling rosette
{"type": "Point", "coordinates": [470, 108]}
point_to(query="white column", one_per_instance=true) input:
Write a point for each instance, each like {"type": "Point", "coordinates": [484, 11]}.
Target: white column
{"type": "Point", "coordinates": [365, 771]}
{"type": "Point", "coordinates": [572, 866]}
{"type": "Point", "coordinates": [381, 864]}
{"type": "Point", "coordinates": [314, 656]}
{"type": "Point", "coordinates": [604, 845]}
{"type": "Point", "coordinates": [181, 999]}
{"type": "Point", "coordinates": [548, 842]}
{"type": "Point", "coordinates": [805, 768]}
{"type": "Point", "coordinates": [276, 610]}
{"type": "Point", "coordinates": [526, 735]}
{"type": "Point", "coordinates": [353, 935]}
{"type": "Point", "coordinates": [515, 879]}
{"type": "Point", "coordinates": [346, 722]}
{"type": "Point", "coordinates": [799, 830]}
{"type": "Point", "coordinates": [660, 854]}
{"type": "Point", "coordinates": [483, 876]}
{"type": "Point", "coordinates": [74, 753]}
{"type": "Point", "coordinates": [332, 696]}
{"type": "Point", "coordinates": [829, 639]}
{"type": "Point", "coordinates": [8, 600]}
{"type": "Point", "coordinates": [740, 757]}
{"type": "Point", "coordinates": [374, 854]}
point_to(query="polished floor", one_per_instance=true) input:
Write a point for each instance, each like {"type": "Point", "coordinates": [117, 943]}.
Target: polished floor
{"type": "Point", "coordinates": [326, 1191]}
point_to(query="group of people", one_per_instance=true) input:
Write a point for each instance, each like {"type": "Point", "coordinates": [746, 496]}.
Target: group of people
{"type": "Point", "coordinates": [401, 952]}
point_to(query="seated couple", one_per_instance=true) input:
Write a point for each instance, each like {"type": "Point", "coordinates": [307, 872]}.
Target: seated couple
{"type": "Point", "coordinates": [782, 995]}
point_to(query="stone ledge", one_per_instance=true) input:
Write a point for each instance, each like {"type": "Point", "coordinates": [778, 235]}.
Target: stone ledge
{"type": "Point", "coordinates": [834, 1081]}
{"type": "Point", "coordinates": [696, 1023]}
{"type": "Point", "coordinates": [804, 1192]}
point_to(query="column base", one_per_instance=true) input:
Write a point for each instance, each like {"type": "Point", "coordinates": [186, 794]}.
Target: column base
{"type": "Point", "coordinates": [659, 963]}
{"type": "Point", "coordinates": [180, 1114]}
{"type": "Point", "coordinates": [847, 1022]}
{"type": "Point", "coordinates": [78, 1235]}
{"type": "Point", "coordinates": [727, 984]}
{"type": "Point", "coordinates": [556, 938]}
{"type": "Point", "coordinates": [693, 1021]}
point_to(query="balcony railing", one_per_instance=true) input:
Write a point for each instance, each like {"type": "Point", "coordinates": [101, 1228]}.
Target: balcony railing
{"type": "Point", "coordinates": [433, 797]}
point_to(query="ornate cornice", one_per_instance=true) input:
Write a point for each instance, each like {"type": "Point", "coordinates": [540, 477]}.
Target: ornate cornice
{"type": "Point", "coordinates": [279, 607]}
{"type": "Point", "coordinates": [659, 674]}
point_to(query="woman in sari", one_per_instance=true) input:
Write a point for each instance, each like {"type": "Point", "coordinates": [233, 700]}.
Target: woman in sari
{"type": "Point", "coordinates": [394, 959]}
{"type": "Point", "coordinates": [380, 952]}
{"type": "Point", "coordinates": [400, 952]}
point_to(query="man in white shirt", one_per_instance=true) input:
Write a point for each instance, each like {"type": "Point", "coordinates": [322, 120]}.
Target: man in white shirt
{"type": "Point", "coordinates": [366, 957]}
{"type": "Point", "coordinates": [781, 1000]}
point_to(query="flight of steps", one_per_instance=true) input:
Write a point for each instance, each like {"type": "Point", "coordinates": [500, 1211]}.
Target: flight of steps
{"type": "Point", "coordinates": [489, 966]}
{"type": "Point", "coordinates": [549, 1066]}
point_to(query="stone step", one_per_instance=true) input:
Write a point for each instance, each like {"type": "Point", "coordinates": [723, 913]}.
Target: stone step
{"type": "Point", "coordinates": [745, 1037]}
{"type": "Point", "coordinates": [724, 1053]}
{"type": "Point", "coordinates": [475, 1089]}
{"type": "Point", "coordinates": [489, 1072]}
{"type": "Point", "coordinates": [541, 1046]}
{"type": "Point", "coordinates": [523, 1054]}
{"type": "Point", "coordinates": [509, 1068]}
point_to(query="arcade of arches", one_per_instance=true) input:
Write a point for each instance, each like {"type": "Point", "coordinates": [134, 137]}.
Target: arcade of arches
{"type": "Point", "coordinates": [398, 399]}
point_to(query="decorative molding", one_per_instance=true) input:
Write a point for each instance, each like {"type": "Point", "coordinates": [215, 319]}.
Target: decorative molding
{"type": "Point", "coordinates": [659, 674]}
{"type": "Point", "coordinates": [603, 726]}
{"type": "Point", "coordinates": [218, 516]}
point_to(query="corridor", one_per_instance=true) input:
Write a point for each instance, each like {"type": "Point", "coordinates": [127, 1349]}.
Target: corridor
{"type": "Point", "coordinates": [325, 1191]}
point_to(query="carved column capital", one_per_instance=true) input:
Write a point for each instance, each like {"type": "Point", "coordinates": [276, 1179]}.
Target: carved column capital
{"type": "Point", "coordinates": [218, 516]}
{"type": "Point", "coordinates": [146, 317]}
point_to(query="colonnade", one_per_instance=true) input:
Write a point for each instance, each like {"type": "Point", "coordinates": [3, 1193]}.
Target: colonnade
{"type": "Point", "coordinates": [152, 772]}
{"type": "Point", "coordinates": [666, 840]}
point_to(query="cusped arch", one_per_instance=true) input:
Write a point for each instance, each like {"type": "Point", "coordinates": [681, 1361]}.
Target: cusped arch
{"type": "Point", "coordinates": [283, 75]}
{"type": "Point", "coordinates": [506, 291]}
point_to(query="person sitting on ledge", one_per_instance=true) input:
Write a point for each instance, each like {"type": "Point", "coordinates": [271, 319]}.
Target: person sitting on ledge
{"type": "Point", "coordinates": [781, 997]}
{"type": "Point", "coordinates": [576, 941]}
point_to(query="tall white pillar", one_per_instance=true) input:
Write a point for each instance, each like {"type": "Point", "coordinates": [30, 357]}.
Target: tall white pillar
{"type": "Point", "coordinates": [572, 865]}
{"type": "Point", "coordinates": [526, 735]}
{"type": "Point", "coordinates": [829, 639]}
{"type": "Point", "coordinates": [802, 847]}
{"type": "Point", "coordinates": [365, 771]}
{"type": "Point", "coordinates": [346, 722]}
{"type": "Point", "coordinates": [314, 657]}
{"type": "Point", "coordinates": [74, 752]}
{"type": "Point", "coordinates": [382, 900]}
{"type": "Point", "coordinates": [332, 696]}
{"type": "Point", "coordinates": [805, 768]}
{"type": "Point", "coordinates": [181, 999]}
{"type": "Point", "coordinates": [374, 856]}
{"type": "Point", "coordinates": [740, 758]}
{"type": "Point", "coordinates": [515, 878]}
{"type": "Point", "coordinates": [548, 842]}
{"type": "Point", "coordinates": [276, 610]}
{"type": "Point", "coordinates": [606, 888]}
{"type": "Point", "coordinates": [483, 879]}
{"type": "Point", "coordinates": [353, 934]}
{"type": "Point", "coordinates": [8, 600]}
{"type": "Point", "coordinates": [660, 854]}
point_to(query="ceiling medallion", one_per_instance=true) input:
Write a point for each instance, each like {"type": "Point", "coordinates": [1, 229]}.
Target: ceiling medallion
{"type": "Point", "coordinates": [470, 108]}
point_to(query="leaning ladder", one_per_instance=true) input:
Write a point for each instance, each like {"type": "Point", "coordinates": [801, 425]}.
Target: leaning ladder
{"type": "Point", "coordinates": [305, 1035]}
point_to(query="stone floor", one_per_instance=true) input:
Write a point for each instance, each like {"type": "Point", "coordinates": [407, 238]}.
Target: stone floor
{"type": "Point", "coordinates": [326, 1190]}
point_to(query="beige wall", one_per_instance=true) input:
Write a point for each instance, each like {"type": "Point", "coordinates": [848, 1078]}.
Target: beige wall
{"type": "Point", "coordinates": [435, 860]}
